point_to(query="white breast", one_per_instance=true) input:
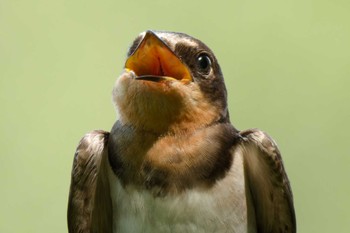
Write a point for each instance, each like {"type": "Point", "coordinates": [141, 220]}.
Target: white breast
{"type": "Point", "coordinates": [222, 208]}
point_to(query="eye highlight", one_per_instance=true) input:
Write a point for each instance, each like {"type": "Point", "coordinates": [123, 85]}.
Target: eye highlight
{"type": "Point", "coordinates": [204, 63]}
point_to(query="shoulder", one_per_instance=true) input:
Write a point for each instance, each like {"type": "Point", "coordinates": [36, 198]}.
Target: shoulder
{"type": "Point", "coordinates": [92, 141]}
{"type": "Point", "coordinates": [262, 140]}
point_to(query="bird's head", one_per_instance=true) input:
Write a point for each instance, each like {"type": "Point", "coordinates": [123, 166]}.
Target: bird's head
{"type": "Point", "coordinates": [171, 82]}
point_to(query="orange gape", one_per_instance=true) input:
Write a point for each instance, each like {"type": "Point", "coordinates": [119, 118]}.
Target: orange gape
{"type": "Point", "coordinates": [154, 58]}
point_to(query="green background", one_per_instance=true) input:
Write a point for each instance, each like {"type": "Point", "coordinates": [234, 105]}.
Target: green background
{"type": "Point", "coordinates": [286, 65]}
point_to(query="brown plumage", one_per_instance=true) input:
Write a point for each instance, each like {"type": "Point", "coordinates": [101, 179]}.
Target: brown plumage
{"type": "Point", "coordinates": [90, 207]}
{"type": "Point", "coordinates": [173, 162]}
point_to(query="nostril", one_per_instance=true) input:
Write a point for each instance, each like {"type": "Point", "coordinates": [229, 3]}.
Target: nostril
{"type": "Point", "coordinates": [161, 71]}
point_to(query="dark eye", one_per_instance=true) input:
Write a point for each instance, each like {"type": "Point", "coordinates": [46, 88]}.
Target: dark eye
{"type": "Point", "coordinates": [204, 63]}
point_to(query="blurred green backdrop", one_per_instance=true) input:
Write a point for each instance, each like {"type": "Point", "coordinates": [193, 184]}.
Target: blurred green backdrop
{"type": "Point", "coordinates": [287, 69]}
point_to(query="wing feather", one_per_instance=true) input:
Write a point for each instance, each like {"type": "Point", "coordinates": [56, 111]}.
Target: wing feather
{"type": "Point", "coordinates": [89, 204]}
{"type": "Point", "coordinates": [268, 183]}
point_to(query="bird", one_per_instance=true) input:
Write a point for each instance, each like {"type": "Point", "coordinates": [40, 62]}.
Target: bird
{"type": "Point", "coordinates": [173, 161]}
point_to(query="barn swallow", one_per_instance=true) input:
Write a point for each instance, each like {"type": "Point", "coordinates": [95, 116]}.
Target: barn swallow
{"type": "Point", "coordinates": [173, 162]}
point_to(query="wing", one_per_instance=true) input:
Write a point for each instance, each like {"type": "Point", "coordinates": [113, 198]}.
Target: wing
{"type": "Point", "coordinates": [89, 204]}
{"type": "Point", "coordinates": [268, 183]}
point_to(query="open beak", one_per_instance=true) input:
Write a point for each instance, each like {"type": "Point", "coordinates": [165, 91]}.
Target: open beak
{"type": "Point", "coordinates": [154, 61]}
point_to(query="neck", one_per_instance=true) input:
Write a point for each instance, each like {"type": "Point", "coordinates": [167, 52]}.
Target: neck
{"type": "Point", "coordinates": [162, 108]}
{"type": "Point", "coordinates": [171, 117]}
